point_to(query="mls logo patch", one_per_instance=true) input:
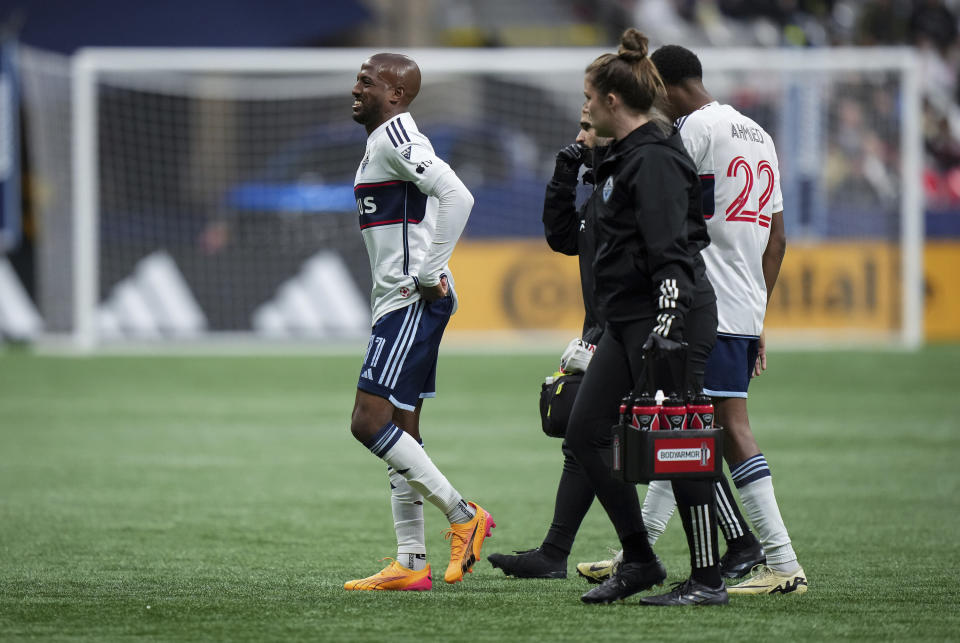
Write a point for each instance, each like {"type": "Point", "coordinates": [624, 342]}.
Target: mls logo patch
{"type": "Point", "coordinates": [363, 163]}
{"type": "Point", "coordinates": [405, 153]}
{"type": "Point", "coordinates": [607, 189]}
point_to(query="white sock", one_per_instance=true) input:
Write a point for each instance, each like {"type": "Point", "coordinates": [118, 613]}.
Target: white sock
{"type": "Point", "coordinates": [399, 450]}
{"type": "Point", "coordinates": [761, 506]}
{"type": "Point", "coordinates": [414, 562]}
{"type": "Point", "coordinates": [658, 506]}
{"type": "Point", "coordinates": [461, 513]}
{"type": "Point", "coordinates": [407, 506]}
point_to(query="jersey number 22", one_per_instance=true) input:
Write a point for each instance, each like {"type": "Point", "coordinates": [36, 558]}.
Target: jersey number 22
{"type": "Point", "coordinates": [737, 211]}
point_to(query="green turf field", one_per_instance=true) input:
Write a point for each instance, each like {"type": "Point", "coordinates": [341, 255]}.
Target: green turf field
{"type": "Point", "coordinates": [223, 498]}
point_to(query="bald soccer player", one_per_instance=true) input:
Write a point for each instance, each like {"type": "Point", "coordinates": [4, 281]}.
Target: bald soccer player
{"type": "Point", "coordinates": [412, 209]}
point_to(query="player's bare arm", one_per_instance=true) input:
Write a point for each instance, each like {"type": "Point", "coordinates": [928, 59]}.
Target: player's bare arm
{"type": "Point", "coordinates": [774, 252]}
{"type": "Point", "coordinates": [771, 261]}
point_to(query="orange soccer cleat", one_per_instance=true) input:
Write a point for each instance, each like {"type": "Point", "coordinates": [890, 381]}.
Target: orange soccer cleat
{"type": "Point", "coordinates": [394, 577]}
{"type": "Point", "coordinates": [466, 541]}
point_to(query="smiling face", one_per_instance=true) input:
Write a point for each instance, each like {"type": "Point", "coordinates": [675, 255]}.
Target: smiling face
{"type": "Point", "coordinates": [596, 109]}
{"type": "Point", "coordinates": [369, 97]}
{"type": "Point", "coordinates": [386, 85]}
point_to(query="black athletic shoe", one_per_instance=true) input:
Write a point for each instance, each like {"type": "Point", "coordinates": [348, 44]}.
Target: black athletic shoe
{"type": "Point", "coordinates": [689, 592]}
{"type": "Point", "coordinates": [531, 563]}
{"type": "Point", "coordinates": [629, 579]}
{"type": "Point", "coordinates": [737, 563]}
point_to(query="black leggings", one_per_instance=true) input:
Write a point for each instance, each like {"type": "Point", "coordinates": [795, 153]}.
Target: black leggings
{"type": "Point", "coordinates": [614, 370]}
{"type": "Point", "coordinates": [574, 497]}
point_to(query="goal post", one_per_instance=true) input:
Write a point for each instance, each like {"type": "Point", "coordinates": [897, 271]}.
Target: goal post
{"type": "Point", "coordinates": [135, 115]}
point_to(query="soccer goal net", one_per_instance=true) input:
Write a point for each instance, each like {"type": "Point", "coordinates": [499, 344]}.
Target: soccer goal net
{"type": "Point", "coordinates": [200, 194]}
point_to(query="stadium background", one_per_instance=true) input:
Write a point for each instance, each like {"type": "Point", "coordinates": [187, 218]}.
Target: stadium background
{"type": "Point", "coordinates": [172, 182]}
{"type": "Point", "coordinates": [195, 497]}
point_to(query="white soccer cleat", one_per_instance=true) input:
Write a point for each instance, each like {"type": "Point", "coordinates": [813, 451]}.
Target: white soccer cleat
{"type": "Point", "coordinates": [764, 580]}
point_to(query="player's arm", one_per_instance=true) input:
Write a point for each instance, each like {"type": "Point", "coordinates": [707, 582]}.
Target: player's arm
{"type": "Point", "coordinates": [561, 222]}
{"type": "Point", "coordinates": [771, 262]}
{"type": "Point", "coordinates": [774, 252]}
{"type": "Point", "coordinates": [418, 164]}
{"type": "Point", "coordinates": [455, 205]}
{"type": "Point", "coordinates": [776, 247]}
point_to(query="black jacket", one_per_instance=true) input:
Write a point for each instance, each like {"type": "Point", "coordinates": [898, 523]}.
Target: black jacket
{"type": "Point", "coordinates": [571, 233]}
{"type": "Point", "coordinates": [649, 230]}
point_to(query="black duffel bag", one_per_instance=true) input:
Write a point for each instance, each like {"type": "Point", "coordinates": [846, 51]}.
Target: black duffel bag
{"type": "Point", "coordinates": [556, 402]}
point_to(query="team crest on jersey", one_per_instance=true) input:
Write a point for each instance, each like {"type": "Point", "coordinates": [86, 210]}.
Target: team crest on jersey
{"type": "Point", "coordinates": [406, 152]}
{"type": "Point", "coordinates": [404, 292]}
{"type": "Point", "coordinates": [607, 189]}
{"type": "Point", "coordinates": [363, 163]}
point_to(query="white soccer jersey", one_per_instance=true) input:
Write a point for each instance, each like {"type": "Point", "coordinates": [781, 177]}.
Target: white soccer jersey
{"type": "Point", "coordinates": [740, 175]}
{"type": "Point", "coordinates": [407, 236]}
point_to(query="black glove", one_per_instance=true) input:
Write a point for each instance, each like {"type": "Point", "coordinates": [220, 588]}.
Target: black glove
{"type": "Point", "coordinates": [661, 346]}
{"type": "Point", "coordinates": [668, 362]}
{"type": "Point", "coordinates": [569, 160]}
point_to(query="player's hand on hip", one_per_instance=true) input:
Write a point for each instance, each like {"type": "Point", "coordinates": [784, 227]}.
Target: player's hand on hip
{"type": "Point", "coordinates": [438, 291]}
{"type": "Point", "coordinates": [761, 364]}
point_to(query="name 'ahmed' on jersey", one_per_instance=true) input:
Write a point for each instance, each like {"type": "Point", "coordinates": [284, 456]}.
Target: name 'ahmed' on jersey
{"type": "Point", "coordinates": [746, 132]}
{"type": "Point", "coordinates": [740, 177]}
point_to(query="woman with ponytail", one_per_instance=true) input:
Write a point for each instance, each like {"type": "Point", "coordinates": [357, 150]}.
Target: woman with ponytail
{"type": "Point", "coordinates": [652, 290]}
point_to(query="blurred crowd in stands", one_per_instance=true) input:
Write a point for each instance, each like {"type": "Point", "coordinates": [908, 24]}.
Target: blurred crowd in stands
{"type": "Point", "coordinates": [929, 25]}
{"type": "Point", "coordinates": [866, 154]}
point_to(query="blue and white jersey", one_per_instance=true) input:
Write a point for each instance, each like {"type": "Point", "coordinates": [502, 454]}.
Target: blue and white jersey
{"type": "Point", "coordinates": [407, 236]}
{"type": "Point", "coordinates": [740, 175]}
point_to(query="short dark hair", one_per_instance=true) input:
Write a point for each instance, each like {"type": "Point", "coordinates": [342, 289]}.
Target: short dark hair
{"type": "Point", "coordinates": [676, 64]}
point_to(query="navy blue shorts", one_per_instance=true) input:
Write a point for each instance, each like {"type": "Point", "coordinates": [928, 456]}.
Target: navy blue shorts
{"type": "Point", "coordinates": [401, 360]}
{"type": "Point", "coordinates": [730, 366]}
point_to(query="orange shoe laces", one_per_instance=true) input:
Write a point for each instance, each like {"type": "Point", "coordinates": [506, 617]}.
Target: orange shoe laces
{"type": "Point", "coordinates": [460, 537]}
